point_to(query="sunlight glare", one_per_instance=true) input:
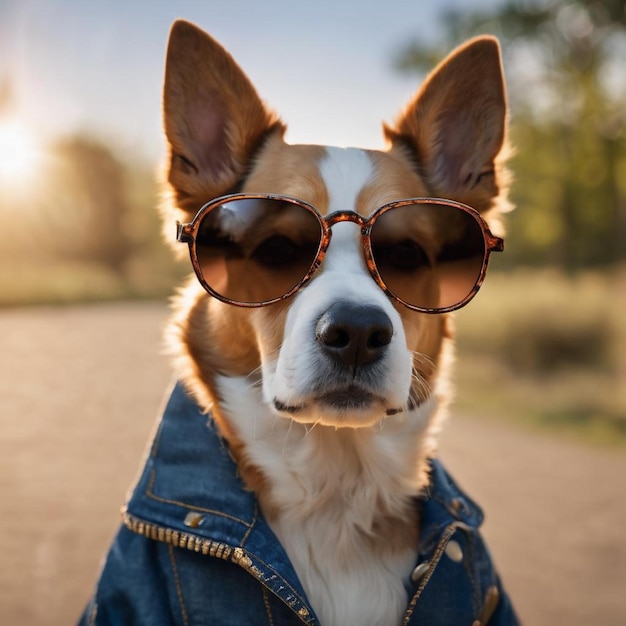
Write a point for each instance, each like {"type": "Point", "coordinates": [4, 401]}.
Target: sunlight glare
{"type": "Point", "coordinates": [19, 152]}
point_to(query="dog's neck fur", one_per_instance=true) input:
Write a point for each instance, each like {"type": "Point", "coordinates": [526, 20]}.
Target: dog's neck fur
{"type": "Point", "coordinates": [341, 501]}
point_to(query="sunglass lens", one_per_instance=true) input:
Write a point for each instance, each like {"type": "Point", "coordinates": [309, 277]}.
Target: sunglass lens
{"type": "Point", "coordinates": [428, 255]}
{"type": "Point", "coordinates": [256, 250]}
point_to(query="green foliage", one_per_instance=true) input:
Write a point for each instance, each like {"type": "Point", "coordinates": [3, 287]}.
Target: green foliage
{"type": "Point", "coordinates": [87, 206]}
{"type": "Point", "coordinates": [571, 206]}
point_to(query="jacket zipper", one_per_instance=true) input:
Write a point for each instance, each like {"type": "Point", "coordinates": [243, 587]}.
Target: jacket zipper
{"type": "Point", "coordinates": [189, 541]}
{"type": "Point", "coordinates": [208, 547]}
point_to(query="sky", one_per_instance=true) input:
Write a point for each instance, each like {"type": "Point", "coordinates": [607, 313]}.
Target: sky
{"type": "Point", "coordinates": [326, 66]}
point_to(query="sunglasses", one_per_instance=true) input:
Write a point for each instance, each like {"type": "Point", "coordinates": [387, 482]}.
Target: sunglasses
{"type": "Point", "coordinates": [252, 250]}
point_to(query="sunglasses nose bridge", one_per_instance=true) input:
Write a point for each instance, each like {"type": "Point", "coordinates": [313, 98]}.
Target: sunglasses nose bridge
{"type": "Point", "coordinates": [329, 254]}
{"type": "Point", "coordinates": [344, 216]}
{"type": "Point", "coordinates": [340, 217]}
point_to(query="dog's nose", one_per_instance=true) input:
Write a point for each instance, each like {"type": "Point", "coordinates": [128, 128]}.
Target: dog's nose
{"type": "Point", "coordinates": [353, 334]}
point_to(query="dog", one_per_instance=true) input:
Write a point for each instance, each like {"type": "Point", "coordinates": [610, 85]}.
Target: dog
{"type": "Point", "coordinates": [294, 477]}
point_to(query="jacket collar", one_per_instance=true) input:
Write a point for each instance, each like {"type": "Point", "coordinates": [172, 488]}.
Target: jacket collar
{"type": "Point", "coordinates": [189, 493]}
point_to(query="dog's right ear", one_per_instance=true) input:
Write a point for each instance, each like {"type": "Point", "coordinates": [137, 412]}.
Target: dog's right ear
{"type": "Point", "coordinates": [214, 119]}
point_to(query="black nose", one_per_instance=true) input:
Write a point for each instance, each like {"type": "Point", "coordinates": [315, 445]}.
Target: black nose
{"type": "Point", "coordinates": [353, 334]}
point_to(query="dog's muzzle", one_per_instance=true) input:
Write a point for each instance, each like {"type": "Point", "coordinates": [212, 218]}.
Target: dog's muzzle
{"type": "Point", "coordinates": [352, 338]}
{"type": "Point", "coordinates": [355, 374]}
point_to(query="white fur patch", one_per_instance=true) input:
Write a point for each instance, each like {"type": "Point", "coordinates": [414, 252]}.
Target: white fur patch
{"type": "Point", "coordinates": [345, 171]}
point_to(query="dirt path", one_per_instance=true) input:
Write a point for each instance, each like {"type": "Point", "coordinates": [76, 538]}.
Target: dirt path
{"type": "Point", "coordinates": [79, 390]}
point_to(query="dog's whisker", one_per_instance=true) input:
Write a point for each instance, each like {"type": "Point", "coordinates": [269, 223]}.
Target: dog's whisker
{"type": "Point", "coordinates": [420, 380]}
{"type": "Point", "coordinates": [287, 437]}
{"type": "Point", "coordinates": [257, 384]}
{"type": "Point", "coordinates": [274, 422]}
{"type": "Point", "coordinates": [256, 375]}
{"type": "Point", "coordinates": [421, 389]}
{"type": "Point", "coordinates": [309, 428]}
{"type": "Point", "coordinates": [422, 359]}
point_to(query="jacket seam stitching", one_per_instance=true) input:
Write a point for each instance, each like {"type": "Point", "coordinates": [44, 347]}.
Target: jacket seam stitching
{"type": "Point", "coordinates": [179, 590]}
{"type": "Point", "coordinates": [150, 493]}
{"type": "Point", "coordinates": [266, 602]}
{"type": "Point", "coordinates": [252, 524]}
{"type": "Point", "coordinates": [476, 586]}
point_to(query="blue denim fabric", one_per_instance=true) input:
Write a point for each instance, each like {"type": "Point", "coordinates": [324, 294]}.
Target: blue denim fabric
{"type": "Point", "coordinates": [194, 547]}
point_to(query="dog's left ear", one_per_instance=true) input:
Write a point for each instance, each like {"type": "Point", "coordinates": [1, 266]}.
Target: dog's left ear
{"type": "Point", "coordinates": [455, 124]}
{"type": "Point", "coordinates": [214, 119]}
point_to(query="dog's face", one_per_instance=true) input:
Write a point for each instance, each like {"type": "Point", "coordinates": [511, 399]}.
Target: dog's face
{"type": "Point", "coordinates": [341, 355]}
{"type": "Point", "coordinates": [339, 352]}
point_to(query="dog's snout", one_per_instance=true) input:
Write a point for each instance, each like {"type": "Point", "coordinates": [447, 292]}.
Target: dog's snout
{"type": "Point", "coordinates": [354, 335]}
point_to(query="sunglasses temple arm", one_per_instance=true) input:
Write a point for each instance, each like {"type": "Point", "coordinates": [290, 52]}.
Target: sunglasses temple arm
{"type": "Point", "coordinates": [495, 244]}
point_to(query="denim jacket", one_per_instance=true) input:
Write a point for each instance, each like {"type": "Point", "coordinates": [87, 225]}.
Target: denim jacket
{"type": "Point", "coordinates": [194, 548]}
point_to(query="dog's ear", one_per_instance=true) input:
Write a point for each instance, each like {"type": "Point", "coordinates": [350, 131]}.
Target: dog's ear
{"type": "Point", "coordinates": [214, 119]}
{"type": "Point", "coordinates": [455, 124]}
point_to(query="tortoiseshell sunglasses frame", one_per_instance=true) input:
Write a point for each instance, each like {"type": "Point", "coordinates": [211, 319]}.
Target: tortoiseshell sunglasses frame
{"type": "Point", "coordinates": [187, 233]}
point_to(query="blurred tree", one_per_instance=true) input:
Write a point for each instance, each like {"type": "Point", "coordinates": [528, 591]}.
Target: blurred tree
{"type": "Point", "coordinates": [83, 225]}
{"type": "Point", "coordinates": [87, 207]}
{"type": "Point", "coordinates": [565, 73]}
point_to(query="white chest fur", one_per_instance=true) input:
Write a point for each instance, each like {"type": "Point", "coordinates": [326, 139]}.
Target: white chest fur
{"type": "Point", "coordinates": [333, 497]}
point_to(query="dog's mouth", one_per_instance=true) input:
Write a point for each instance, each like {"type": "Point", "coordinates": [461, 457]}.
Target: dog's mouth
{"type": "Point", "coordinates": [351, 399]}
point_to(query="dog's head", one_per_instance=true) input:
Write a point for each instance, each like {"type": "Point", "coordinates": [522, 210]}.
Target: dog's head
{"type": "Point", "coordinates": [340, 351]}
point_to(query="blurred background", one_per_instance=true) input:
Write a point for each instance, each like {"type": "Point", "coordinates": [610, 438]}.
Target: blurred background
{"type": "Point", "coordinates": [80, 145]}
{"type": "Point", "coordinates": [543, 347]}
